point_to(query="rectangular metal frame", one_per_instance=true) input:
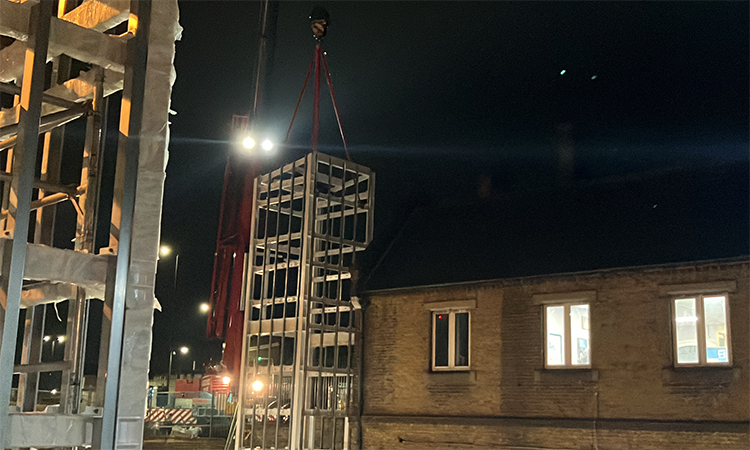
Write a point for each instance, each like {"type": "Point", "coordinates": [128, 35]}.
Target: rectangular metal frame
{"type": "Point", "coordinates": [302, 320]}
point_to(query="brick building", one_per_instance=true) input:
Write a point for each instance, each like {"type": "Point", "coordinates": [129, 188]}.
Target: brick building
{"type": "Point", "coordinates": [648, 357]}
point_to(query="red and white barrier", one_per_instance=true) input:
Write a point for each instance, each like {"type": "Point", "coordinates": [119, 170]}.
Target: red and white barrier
{"type": "Point", "coordinates": [176, 416]}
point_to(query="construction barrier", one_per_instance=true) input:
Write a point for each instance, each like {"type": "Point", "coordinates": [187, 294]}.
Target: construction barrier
{"type": "Point", "coordinates": [175, 416]}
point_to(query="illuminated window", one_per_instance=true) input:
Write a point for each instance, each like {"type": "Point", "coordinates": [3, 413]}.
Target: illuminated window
{"type": "Point", "coordinates": [701, 330]}
{"type": "Point", "coordinates": [567, 343]}
{"type": "Point", "coordinates": [450, 340]}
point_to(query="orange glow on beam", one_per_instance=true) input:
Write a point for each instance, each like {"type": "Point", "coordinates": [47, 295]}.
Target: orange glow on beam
{"type": "Point", "coordinates": [132, 23]}
{"type": "Point", "coordinates": [28, 67]}
{"type": "Point", "coordinates": [61, 8]}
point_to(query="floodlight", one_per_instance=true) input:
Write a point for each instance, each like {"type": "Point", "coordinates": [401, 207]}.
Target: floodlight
{"type": "Point", "coordinates": [248, 143]}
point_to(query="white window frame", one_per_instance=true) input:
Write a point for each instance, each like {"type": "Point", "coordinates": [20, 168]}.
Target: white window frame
{"type": "Point", "coordinates": [701, 329]}
{"type": "Point", "coordinates": [451, 367]}
{"type": "Point", "coordinates": [567, 345]}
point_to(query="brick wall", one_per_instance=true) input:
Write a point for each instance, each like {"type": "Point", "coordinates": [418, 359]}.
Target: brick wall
{"type": "Point", "coordinates": [632, 395]}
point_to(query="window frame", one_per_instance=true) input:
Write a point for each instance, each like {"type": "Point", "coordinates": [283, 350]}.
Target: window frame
{"type": "Point", "coordinates": [701, 330]}
{"type": "Point", "coordinates": [567, 344]}
{"type": "Point", "coordinates": [451, 367]}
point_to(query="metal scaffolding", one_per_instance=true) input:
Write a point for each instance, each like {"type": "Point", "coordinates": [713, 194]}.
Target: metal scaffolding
{"type": "Point", "coordinates": [34, 273]}
{"type": "Point", "coordinates": [301, 352]}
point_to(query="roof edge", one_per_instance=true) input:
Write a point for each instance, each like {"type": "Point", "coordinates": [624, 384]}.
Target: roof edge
{"type": "Point", "coordinates": [734, 259]}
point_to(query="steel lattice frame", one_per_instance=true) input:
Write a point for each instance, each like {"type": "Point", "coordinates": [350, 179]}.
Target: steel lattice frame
{"type": "Point", "coordinates": [302, 321]}
{"type": "Point", "coordinates": [36, 273]}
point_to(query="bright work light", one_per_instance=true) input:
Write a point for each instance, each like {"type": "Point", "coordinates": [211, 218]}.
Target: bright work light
{"type": "Point", "coordinates": [248, 143]}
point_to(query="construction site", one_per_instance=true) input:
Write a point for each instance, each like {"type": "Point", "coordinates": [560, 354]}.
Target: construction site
{"type": "Point", "coordinates": [86, 99]}
{"type": "Point", "coordinates": [283, 274]}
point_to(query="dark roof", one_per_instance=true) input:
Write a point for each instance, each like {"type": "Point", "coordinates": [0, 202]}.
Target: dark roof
{"type": "Point", "coordinates": [664, 217]}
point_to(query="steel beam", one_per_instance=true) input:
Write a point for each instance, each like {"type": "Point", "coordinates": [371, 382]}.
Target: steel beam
{"type": "Point", "coordinates": [131, 118]}
{"type": "Point", "coordinates": [26, 151]}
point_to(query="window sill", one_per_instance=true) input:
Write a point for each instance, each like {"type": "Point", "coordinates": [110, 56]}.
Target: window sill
{"type": "Point", "coordinates": [452, 377]}
{"type": "Point", "coordinates": [566, 375]}
{"type": "Point", "coordinates": [700, 375]}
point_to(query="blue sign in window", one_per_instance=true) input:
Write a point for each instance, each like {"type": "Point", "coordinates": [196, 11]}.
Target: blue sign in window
{"type": "Point", "coordinates": [717, 354]}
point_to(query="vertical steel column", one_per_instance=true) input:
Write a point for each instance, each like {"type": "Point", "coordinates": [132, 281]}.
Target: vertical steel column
{"type": "Point", "coordinates": [32, 354]}
{"type": "Point", "coordinates": [22, 186]}
{"type": "Point", "coordinates": [88, 203]}
{"type": "Point", "coordinates": [248, 302]}
{"type": "Point", "coordinates": [131, 116]}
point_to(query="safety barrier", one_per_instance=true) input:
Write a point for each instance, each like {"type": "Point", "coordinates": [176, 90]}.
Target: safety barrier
{"type": "Point", "coordinates": [175, 416]}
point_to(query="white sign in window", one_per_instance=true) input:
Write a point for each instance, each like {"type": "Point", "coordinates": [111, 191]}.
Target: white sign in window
{"type": "Point", "coordinates": [567, 342]}
{"type": "Point", "coordinates": [701, 331]}
{"type": "Point", "coordinates": [450, 340]}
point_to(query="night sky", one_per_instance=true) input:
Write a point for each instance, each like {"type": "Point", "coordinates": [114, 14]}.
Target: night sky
{"type": "Point", "coordinates": [442, 97]}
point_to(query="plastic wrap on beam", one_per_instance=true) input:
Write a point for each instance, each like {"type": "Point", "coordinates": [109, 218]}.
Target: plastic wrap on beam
{"type": "Point", "coordinates": [51, 430]}
{"type": "Point", "coordinates": [85, 44]}
{"type": "Point", "coordinates": [75, 90]}
{"type": "Point", "coordinates": [154, 139]}
{"type": "Point", "coordinates": [99, 15]}
{"type": "Point", "coordinates": [64, 266]}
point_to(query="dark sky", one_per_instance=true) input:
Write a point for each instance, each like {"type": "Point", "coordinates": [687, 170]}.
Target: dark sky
{"type": "Point", "coordinates": [435, 96]}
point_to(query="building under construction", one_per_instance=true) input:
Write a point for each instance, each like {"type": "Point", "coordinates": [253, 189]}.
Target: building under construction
{"type": "Point", "coordinates": [60, 63]}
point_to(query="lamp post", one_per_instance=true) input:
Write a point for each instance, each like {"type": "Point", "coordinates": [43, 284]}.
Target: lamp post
{"type": "Point", "coordinates": [165, 251]}
{"type": "Point", "coordinates": [172, 352]}
{"type": "Point", "coordinates": [58, 339]}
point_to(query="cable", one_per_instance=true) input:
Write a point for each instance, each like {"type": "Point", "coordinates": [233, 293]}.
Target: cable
{"type": "Point", "coordinates": [299, 100]}
{"type": "Point", "coordinates": [335, 106]}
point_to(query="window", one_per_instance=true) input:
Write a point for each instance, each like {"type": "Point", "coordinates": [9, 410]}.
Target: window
{"type": "Point", "coordinates": [566, 339]}
{"type": "Point", "coordinates": [450, 340]}
{"type": "Point", "coordinates": [701, 330]}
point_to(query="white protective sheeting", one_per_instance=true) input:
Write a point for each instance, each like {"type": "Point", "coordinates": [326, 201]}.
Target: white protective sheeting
{"type": "Point", "coordinates": [88, 45]}
{"type": "Point", "coordinates": [154, 139]}
{"type": "Point", "coordinates": [75, 90]}
{"type": "Point", "coordinates": [61, 270]}
{"type": "Point", "coordinates": [51, 430]}
{"type": "Point", "coordinates": [99, 15]}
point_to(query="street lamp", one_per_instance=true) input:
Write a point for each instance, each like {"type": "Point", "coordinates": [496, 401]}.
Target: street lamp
{"type": "Point", "coordinates": [204, 307]}
{"type": "Point", "coordinates": [184, 351]}
{"type": "Point", "coordinates": [58, 339]}
{"type": "Point", "coordinates": [165, 251]}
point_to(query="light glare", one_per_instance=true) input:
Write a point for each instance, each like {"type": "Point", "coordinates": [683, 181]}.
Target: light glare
{"type": "Point", "coordinates": [183, 350]}
{"type": "Point", "coordinates": [257, 385]}
{"type": "Point", "coordinates": [204, 307]}
{"type": "Point", "coordinates": [248, 142]}
{"type": "Point", "coordinates": [226, 380]}
{"type": "Point", "coordinates": [165, 250]}
{"type": "Point", "coordinates": [267, 145]}
{"type": "Point", "coordinates": [686, 319]}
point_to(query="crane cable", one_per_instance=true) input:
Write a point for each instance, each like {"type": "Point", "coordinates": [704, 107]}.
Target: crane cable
{"type": "Point", "coordinates": [333, 100]}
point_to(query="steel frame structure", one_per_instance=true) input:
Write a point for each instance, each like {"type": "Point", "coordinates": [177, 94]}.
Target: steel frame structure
{"type": "Point", "coordinates": [300, 355]}
{"type": "Point", "coordinates": [33, 273]}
